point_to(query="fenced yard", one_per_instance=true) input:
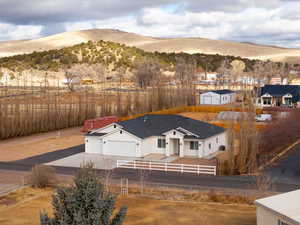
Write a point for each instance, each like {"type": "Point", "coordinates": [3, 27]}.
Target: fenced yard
{"type": "Point", "coordinates": [167, 167]}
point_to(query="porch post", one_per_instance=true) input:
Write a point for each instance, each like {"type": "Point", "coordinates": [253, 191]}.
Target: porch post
{"type": "Point", "coordinates": [200, 150]}
{"type": "Point", "coordinates": [181, 148]}
{"type": "Point", "coordinates": [168, 146]}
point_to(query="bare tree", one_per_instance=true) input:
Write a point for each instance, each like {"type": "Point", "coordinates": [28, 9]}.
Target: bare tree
{"type": "Point", "coordinates": [148, 73]}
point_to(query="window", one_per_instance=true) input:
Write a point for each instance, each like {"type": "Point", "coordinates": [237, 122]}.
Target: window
{"type": "Point", "coordinates": [209, 145]}
{"type": "Point", "coordinates": [217, 140]}
{"type": "Point", "coordinates": [267, 101]}
{"type": "Point", "coordinates": [121, 132]}
{"type": "Point", "coordinates": [161, 143]}
{"type": "Point", "coordinates": [115, 126]}
{"type": "Point", "coordinates": [174, 133]}
{"type": "Point", "coordinates": [194, 145]}
{"type": "Point", "coordinates": [280, 222]}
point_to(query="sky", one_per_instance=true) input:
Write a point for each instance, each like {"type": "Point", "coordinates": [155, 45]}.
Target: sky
{"type": "Point", "coordinates": [271, 22]}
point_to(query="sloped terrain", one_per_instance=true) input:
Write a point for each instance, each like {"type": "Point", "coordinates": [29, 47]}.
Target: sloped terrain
{"type": "Point", "coordinates": [188, 45]}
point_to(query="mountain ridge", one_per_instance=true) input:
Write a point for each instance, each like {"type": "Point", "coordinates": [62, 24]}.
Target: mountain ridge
{"type": "Point", "coordinates": [152, 44]}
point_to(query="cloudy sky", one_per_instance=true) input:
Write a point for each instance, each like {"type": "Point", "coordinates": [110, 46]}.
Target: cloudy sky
{"type": "Point", "coordinates": [273, 22]}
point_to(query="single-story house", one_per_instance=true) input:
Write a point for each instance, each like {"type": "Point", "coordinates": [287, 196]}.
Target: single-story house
{"type": "Point", "coordinates": [217, 97]}
{"type": "Point", "coordinates": [282, 209]}
{"type": "Point", "coordinates": [158, 134]}
{"type": "Point", "coordinates": [279, 95]}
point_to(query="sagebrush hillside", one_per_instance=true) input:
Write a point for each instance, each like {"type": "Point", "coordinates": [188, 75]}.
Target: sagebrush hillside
{"type": "Point", "coordinates": [151, 44]}
{"type": "Point", "coordinates": [111, 55]}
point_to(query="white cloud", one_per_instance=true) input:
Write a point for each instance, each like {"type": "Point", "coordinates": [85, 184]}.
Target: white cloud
{"type": "Point", "coordinates": [18, 32]}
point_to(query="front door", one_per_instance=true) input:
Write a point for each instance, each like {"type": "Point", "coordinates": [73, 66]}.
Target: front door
{"type": "Point", "coordinates": [176, 147]}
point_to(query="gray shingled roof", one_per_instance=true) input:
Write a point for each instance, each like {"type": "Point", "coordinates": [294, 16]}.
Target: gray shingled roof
{"type": "Point", "coordinates": [223, 92]}
{"type": "Point", "coordinates": [281, 90]}
{"type": "Point", "coordinates": [156, 125]}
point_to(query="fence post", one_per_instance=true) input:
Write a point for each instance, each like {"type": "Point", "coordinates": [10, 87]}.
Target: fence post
{"type": "Point", "coordinates": [166, 166]}
{"type": "Point", "coordinates": [215, 171]}
{"type": "Point", "coordinates": [198, 169]}
{"type": "Point", "coordinates": [117, 163]}
{"type": "Point", "coordinates": [134, 166]}
{"type": "Point", "coordinates": [150, 165]}
{"type": "Point", "coordinates": [181, 168]}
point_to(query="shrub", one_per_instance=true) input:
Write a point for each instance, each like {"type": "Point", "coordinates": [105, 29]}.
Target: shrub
{"type": "Point", "coordinates": [42, 176]}
{"type": "Point", "coordinates": [85, 202]}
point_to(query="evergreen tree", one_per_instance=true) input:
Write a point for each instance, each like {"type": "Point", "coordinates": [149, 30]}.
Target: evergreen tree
{"type": "Point", "coordinates": [84, 203]}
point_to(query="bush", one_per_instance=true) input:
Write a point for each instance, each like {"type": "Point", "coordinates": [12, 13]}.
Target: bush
{"type": "Point", "coordinates": [42, 176]}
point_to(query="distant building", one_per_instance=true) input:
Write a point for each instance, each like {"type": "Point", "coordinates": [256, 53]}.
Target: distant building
{"type": "Point", "coordinates": [282, 209]}
{"type": "Point", "coordinates": [279, 95]}
{"type": "Point", "coordinates": [217, 97]}
{"type": "Point", "coordinates": [275, 81]}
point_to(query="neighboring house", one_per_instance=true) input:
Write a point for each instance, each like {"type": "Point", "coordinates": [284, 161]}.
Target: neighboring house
{"type": "Point", "coordinates": [279, 95]}
{"type": "Point", "coordinates": [157, 134]}
{"type": "Point", "coordinates": [282, 209]}
{"type": "Point", "coordinates": [217, 97]}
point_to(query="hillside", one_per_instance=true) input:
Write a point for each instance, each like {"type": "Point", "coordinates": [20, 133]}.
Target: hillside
{"type": "Point", "coordinates": [111, 55]}
{"type": "Point", "coordinates": [188, 45]}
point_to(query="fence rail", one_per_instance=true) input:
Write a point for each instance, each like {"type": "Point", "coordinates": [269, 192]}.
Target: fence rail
{"type": "Point", "coordinates": [161, 166]}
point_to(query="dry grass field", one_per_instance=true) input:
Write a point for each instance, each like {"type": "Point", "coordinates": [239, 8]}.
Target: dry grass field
{"type": "Point", "coordinates": [24, 147]}
{"type": "Point", "coordinates": [23, 207]}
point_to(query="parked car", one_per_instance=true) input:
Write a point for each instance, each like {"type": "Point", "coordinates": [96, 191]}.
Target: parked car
{"type": "Point", "coordinates": [263, 118]}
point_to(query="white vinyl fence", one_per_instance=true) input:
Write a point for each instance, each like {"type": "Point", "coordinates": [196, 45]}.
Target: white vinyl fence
{"type": "Point", "coordinates": [161, 166]}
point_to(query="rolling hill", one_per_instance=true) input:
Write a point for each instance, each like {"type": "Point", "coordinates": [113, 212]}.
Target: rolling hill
{"type": "Point", "coordinates": [151, 44]}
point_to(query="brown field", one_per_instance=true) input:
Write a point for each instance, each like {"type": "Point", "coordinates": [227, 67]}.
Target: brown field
{"type": "Point", "coordinates": [23, 207]}
{"type": "Point", "coordinates": [24, 147]}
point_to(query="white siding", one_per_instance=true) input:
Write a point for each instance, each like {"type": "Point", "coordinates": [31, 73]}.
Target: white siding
{"type": "Point", "coordinates": [190, 152]}
{"type": "Point", "coordinates": [216, 99]}
{"type": "Point", "coordinates": [93, 144]}
{"type": "Point", "coordinates": [149, 146]}
{"type": "Point", "coordinates": [121, 137]}
{"type": "Point", "coordinates": [215, 142]}
{"type": "Point", "coordinates": [210, 98]}
{"type": "Point", "coordinates": [267, 217]}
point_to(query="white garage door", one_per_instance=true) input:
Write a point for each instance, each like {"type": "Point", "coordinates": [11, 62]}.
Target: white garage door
{"type": "Point", "coordinates": [216, 100]}
{"type": "Point", "coordinates": [93, 145]}
{"type": "Point", "coordinates": [120, 148]}
{"type": "Point", "coordinates": [207, 100]}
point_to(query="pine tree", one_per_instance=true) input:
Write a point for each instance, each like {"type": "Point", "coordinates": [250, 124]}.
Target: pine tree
{"type": "Point", "coordinates": [84, 203]}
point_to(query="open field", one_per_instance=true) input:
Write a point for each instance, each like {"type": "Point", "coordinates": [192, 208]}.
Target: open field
{"type": "Point", "coordinates": [24, 147]}
{"type": "Point", "coordinates": [23, 207]}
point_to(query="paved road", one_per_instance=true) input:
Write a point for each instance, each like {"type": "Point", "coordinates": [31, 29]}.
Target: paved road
{"type": "Point", "coordinates": [287, 169]}
{"type": "Point", "coordinates": [284, 181]}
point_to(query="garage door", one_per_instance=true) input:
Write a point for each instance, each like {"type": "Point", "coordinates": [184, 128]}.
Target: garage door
{"type": "Point", "coordinates": [120, 148]}
{"type": "Point", "coordinates": [207, 100]}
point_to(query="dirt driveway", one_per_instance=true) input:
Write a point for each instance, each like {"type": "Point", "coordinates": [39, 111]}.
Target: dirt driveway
{"type": "Point", "coordinates": [24, 147]}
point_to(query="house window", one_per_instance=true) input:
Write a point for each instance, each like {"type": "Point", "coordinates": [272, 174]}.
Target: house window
{"type": "Point", "coordinates": [121, 132]}
{"type": "Point", "coordinates": [267, 101]}
{"type": "Point", "coordinates": [280, 222]}
{"type": "Point", "coordinates": [174, 133]}
{"type": "Point", "coordinates": [161, 143]}
{"type": "Point", "coordinates": [209, 145]}
{"type": "Point", "coordinates": [194, 145]}
{"type": "Point", "coordinates": [115, 126]}
{"type": "Point", "coordinates": [217, 140]}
